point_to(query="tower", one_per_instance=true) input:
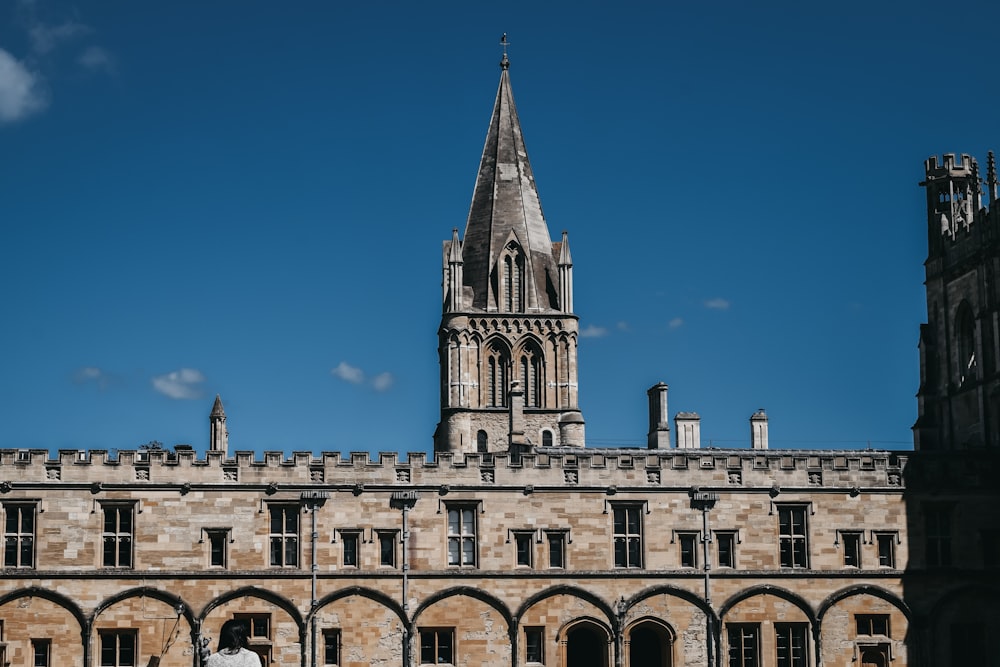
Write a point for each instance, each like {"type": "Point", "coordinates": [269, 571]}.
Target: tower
{"type": "Point", "coordinates": [508, 334]}
{"type": "Point", "coordinates": [959, 395]}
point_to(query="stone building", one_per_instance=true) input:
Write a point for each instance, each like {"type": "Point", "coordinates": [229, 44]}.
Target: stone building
{"type": "Point", "coordinates": [514, 544]}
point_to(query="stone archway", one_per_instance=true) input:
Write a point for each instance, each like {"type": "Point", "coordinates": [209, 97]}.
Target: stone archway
{"type": "Point", "coordinates": [586, 645]}
{"type": "Point", "coordinates": [649, 645]}
{"type": "Point", "coordinates": [874, 657]}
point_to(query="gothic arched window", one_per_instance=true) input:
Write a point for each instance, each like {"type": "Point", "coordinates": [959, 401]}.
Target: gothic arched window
{"type": "Point", "coordinates": [513, 279]}
{"type": "Point", "coordinates": [481, 442]}
{"type": "Point", "coordinates": [546, 438]}
{"type": "Point", "coordinates": [531, 376]}
{"type": "Point", "coordinates": [496, 376]}
{"type": "Point", "coordinates": [965, 329]}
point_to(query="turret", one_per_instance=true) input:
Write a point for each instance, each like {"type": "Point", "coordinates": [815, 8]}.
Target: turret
{"type": "Point", "coordinates": [953, 197]}
{"type": "Point", "coordinates": [218, 435]}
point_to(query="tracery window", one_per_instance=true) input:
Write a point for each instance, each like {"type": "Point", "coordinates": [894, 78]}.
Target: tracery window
{"type": "Point", "coordinates": [531, 380]}
{"type": "Point", "coordinates": [496, 376]}
{"type": "Point", "coordinates": [513, 279]}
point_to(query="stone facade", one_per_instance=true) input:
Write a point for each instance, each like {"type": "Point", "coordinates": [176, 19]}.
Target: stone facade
{"type": "Point", "coordinates": [514, 544]}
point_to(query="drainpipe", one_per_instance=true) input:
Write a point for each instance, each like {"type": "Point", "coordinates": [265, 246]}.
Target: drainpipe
{"type": "Point", "coordinates": [313, 500]}
{"type": "Point", "coordinates": [405, 500]}
{"type": "Point", "coordinates": [705, 501]}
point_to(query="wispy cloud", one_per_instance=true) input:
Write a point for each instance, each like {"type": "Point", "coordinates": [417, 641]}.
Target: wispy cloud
{"type": "Point", "coordinates": [46, 38]}
{"type": "Point", "coordinates": [96, 59]}
{"type": "Point", "coordinates": [717, 303]}
{"type": "Point", "coordinates": [354, 375]}
{"type": "Point", "coordinates": [676, 323]}
{"type": "Point", "coordinates": [623, 326]}
{"type": "Point", "coordinates": [91, 375]}
{"type": "Point", "coordinates": [348, 373]}
{"type": "Point", "coordinates": [593, 331]}
{"type": "Point", "coordinates": [182, 384]}
{"type": "Point", "coordinates": [383, 381]}
{"type": "Point", "coordinates": [21, 90]}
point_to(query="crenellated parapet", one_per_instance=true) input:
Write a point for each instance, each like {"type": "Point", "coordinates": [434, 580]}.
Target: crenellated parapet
{"type": "Point", "coordinates": [555, 467]}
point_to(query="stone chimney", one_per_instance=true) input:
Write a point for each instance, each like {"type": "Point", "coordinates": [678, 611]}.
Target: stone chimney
{"type": "Point", "coordinates": [758, 430]}
{"type": "Point", "coordinates": [688, 425]}
{"type": "Point", "coordinates": [659, 423]}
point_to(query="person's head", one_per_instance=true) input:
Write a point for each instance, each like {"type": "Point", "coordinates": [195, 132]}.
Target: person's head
{"type": "Point", "coordinates": [233, 635]}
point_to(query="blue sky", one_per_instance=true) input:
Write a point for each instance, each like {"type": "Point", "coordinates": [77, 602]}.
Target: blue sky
{"type": "Point", "coordinates": [249, 198]}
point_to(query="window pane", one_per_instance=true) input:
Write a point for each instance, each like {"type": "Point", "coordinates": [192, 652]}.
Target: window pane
{"type": "Point", "coordinates": [291, 551]}
{"type": "Point", "coordinates": [453, 551]}
{"type": "Point", "coordinates": [453, 522]}
{"type": "Point", "coordinates": [468, 525]}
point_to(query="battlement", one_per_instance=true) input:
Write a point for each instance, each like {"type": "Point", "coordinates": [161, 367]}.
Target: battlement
{"type": "Point", "coordinates": [949, 168]}
{"type": "Point", "coordinates": [546, 467]}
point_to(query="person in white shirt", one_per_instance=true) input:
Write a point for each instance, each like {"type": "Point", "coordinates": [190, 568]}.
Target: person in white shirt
{"type": "Point", "coordinates": [232, 649]}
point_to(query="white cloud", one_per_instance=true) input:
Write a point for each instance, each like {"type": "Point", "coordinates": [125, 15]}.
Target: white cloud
{"type": "Point", "coordinates": [348, 373]}
{"type": "Point", "coordinates": [383, 381]}
{"type": "Point", "coordinates": [181, 384]}
{"type": "Point", "coordinates": [21, 91]}
{"type": "Point", "coordinates": [594, 331]}
{"type": "Point", "coordinates": [97, 59]}
{"type": "Point", "coordinates": [623, 326]}
{"type": "Point", "coordinates": [676, 323]}
{"type": "Point", "coordinates": [717, 304]}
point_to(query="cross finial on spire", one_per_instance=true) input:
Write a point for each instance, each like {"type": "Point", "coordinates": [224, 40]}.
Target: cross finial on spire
{"type": "Point", "coordinates": [504, 62]}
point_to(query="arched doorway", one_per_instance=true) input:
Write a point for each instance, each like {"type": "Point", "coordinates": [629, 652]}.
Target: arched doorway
{"type": "Point", "coordinates": [586, 646]}
{"type": "Point", "coordinates": [650, 645]}
{"type": "Point", "coordinates": [874, 657]}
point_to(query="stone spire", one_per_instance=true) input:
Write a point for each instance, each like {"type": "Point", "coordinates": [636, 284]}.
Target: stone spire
{"type": "Point", "coordinates": [218, 435]}
{"type": "Point", "coordinates": [506, 216]}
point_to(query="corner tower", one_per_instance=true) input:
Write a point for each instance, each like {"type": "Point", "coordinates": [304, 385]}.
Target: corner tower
{"type": "Point", "coordinates": [959, 395]}
{"type": "Point", "coordinates": [508, 335]}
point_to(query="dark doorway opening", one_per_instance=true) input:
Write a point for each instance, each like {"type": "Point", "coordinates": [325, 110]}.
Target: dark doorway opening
{"type": "Point", "coordinates": [586, 646]}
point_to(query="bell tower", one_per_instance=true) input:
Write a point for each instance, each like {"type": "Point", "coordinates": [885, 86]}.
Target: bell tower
{"type": "Point", "coordinates": [508, 335]}
{"type": "Point", "coordinates": [959, 395]}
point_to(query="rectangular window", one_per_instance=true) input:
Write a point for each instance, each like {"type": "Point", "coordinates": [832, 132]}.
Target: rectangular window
{"type": "Point", "coordinates": [790, 642]}
{"type": "Point", "coordinates": [462, 535]}
{"type": "Point", "coordinates": [726, 547]}
{"type": "Point", "coordinates": [387, 548]}
{"type": "Point", "coordinates": [258, 626]}
{"type": "Point", "coordinates": [118, 648]}
{"type": "Point", "coordinates": [40, 649]}
{"type": "Point", "coordinates": [284, 535]}
{"type": "Point", "coordinates": [744, 645]}
{"type": "Point", "coordinates": [19, 535]}
{"type": "Point", "coordinates": [437, 646]}
{"type": "Point", "coordinates": [350, 541]}
{"type": "Point", "coordinates": [792, 536]}
{"type": "Point", "coordinates": [628, 535]}
{"type": "Point", "coordinates": [872, 624]}
{"type": "Point", "coordinates": [331, 647]}
{"type": "Point", "coordinates": [557, 549]}
{"type": "Point", "coordinates": [523, 549]}
{"type": "Point", "coordinates": [852, 549]}
{"type": "Point", "coordinates": [117, 535]}
{"type": "Point", "coordinates": [937, 524]}
{"type": "Point", "coordinates": [886, 545]}
{"type": "Point", "coordinates": [218, 544]}
{"type": "Point", "coordinates": [534, 645]}
{"type": "Point", "coordinates": [689, 549]}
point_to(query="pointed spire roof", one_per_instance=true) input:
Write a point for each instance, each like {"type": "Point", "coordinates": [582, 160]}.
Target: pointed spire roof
{"type": "Point", "coordinates": [505, 208]}
{"type": "Point", "coordinates": [217, 410]}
